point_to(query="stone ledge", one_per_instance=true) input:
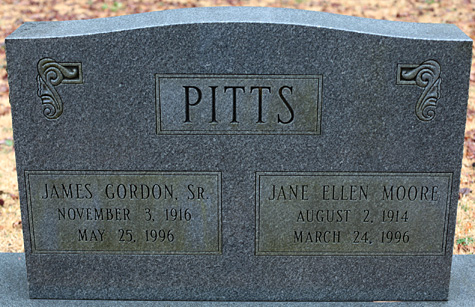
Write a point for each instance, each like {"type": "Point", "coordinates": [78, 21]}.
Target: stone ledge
{"type": "Point", "coordinates": [13, 290]}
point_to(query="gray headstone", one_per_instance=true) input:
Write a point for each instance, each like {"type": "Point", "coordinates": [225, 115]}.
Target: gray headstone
{"type": "Point", "coordinates": [238, 154]}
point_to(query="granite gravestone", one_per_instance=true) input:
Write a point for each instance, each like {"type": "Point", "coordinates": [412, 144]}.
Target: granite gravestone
{"type": "Point", "coordinates": [238, 154]}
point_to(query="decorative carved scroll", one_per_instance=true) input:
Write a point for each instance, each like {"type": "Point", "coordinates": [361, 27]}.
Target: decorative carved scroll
{"type": "Point", "coordinates": [427, 76]}
{"type": "Point", "coordinates": [50, 75]}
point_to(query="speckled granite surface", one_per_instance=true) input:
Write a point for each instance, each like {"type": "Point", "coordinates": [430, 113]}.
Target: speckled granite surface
{"type": "Point", "coordinates": [14, 292]}
{"type": "Point", "coordinates": [238, 154]}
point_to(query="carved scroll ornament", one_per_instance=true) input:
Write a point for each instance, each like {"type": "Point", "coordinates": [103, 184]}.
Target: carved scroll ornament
{"type": "Point", "coordinates": [50, 75]}
{"type": "Point", "coordinates": [427, 76]}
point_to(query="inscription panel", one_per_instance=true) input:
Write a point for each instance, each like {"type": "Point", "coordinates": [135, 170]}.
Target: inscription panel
{"type": "Point", "coordinates": [238, 104]}
{"type": "Point", "coordinates": [124, 212]}
{"type": "Point", "coordinates": [351, 213]}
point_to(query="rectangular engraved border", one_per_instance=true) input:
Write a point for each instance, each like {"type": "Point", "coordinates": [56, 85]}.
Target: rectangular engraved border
{"type": "Point", "coordinates": [34, 250]}
{"type": "Point", "coordinates": [159, 130]}
{"type": "Point", "coordinates": [293, 253]}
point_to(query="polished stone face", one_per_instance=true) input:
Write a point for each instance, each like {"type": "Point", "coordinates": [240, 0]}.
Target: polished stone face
{"type": "Point", "coordinates": [125, 212]}
{"type": "Point", "coordinates": [238, 154]}
{"type": "Point", "coordinates": [238, 104]}
{"type": "Point", "coordinates": [352, 213]}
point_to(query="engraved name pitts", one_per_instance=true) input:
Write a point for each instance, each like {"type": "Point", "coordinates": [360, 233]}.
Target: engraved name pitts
{"type": "Point", "coordinates": [208, 96]}
{"type": "Point", "coordinates": [238, 104]}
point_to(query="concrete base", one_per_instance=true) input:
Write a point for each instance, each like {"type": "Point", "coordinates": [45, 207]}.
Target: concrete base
{"type": "Point", "coordinates": [14, 291]}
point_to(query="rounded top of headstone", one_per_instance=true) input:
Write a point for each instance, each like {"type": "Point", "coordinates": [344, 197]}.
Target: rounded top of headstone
{"type": "Point", "coordinates": [253, 15]}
